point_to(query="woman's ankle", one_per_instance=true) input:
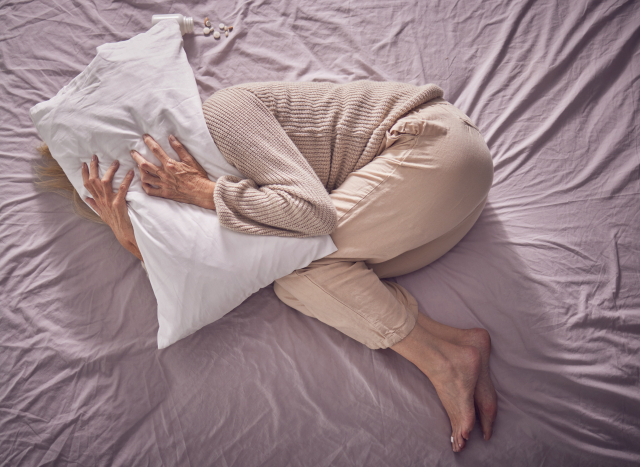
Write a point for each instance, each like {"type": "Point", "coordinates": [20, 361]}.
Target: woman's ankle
{"type": "Point", "coordinates": [426, 351]}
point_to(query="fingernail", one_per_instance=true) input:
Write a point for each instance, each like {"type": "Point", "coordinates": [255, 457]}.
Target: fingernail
{"type": "Point", "coordinates": [94, 158]}
{"type": "Point", "coordinates": [145, 136]}
{"type": "Point", "coordinates": [114, 163]}
{"type": "Point", "coordinates": [130, 172]}
{"type": "Point", "coordinates": [172, 138]}
{"type": "Point", "coordinates": [132, 152]}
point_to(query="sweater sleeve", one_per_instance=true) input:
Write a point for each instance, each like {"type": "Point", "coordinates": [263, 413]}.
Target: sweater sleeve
{"type": "Point", "coordinates": [281, 195]}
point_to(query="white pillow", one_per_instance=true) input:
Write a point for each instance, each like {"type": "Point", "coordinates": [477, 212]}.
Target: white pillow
{"type": "Point", "coordinates": [199, 271]}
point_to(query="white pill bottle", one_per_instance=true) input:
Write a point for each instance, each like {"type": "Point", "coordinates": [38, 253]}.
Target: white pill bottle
{"type": "Point", "coordinates": [186, 23]}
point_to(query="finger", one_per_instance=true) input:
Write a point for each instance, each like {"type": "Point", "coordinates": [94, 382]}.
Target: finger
{"type": "Point", "coordinates": [93, 204]}
{"type": "Point", "coordinates": [149, 178]}
{"type": "Point", "coordinates": [108, 175]}
{"type": "Point", "coordinates": [177, 146]}
{"type": "Point", "coordinates": [156, 149]}
{"type": "Point", "coordinates": [86, 181]}
{"type": "Point", "coordinates": [124, 186]}
{"type": "Point", "coordinates": [93, 168]}
{"type": "Point", "coordinates": [85, 175]}
{"type": "Point", "coordinates": [143, 164]}
{"type": "Point", "coordinates": [184, 155]}
{"type": "Point", "coordinates": [152, 191]}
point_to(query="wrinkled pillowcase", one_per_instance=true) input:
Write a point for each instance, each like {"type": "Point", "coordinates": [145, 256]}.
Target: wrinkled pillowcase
{"type": "Point", "coordinates": [199, 271]}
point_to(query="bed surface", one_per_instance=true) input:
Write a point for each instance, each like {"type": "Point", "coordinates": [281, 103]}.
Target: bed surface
{"type": "Point", "coordinates": [551, 269]}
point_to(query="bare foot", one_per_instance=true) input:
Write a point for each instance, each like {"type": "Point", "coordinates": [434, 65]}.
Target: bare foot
{"type": "Point", "coordinates": [455, 387]}
{"type": "Point", "coordinates": [453, 370]}
{"type": "Point", "coordinates": [485, 398]}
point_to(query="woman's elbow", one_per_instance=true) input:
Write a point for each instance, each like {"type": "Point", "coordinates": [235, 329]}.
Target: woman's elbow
{"type": "Point", "coordinates": [319, 218]}
{"type": "Point", "coordinates": [327, 222]}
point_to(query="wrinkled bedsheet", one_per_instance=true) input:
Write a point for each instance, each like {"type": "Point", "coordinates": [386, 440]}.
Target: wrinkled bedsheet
{"type": "Point", "coordinates": [552, 268]}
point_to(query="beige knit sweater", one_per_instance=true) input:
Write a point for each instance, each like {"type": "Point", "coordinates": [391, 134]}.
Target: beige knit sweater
{"type": "Point", "coordinates": [295, 142]}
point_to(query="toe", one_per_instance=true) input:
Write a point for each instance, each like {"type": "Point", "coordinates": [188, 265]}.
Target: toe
{"type": "Point", "coordinates": [487, 416]}
{"type": "Point", "coordinates": [487, 429]}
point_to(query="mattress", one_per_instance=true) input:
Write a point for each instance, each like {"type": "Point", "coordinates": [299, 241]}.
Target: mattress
{"type": "Point", "coordinates": [551, 269]}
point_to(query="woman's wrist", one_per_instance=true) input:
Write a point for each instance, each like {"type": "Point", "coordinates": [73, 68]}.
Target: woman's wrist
{"type": "Point", "coordinates": [132, 248]}
{"type": "Point", "coordinates": [204, 195]}
{"type": "Point", "coordinates": [128, 241]}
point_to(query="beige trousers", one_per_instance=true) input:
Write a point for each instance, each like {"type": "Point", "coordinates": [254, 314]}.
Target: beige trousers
{"type": "Point", "coordinates": [402, 211]}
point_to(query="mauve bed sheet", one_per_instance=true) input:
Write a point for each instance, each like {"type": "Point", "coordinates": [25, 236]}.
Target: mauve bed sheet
{"type": "Point", "coordinates": [552, 268]}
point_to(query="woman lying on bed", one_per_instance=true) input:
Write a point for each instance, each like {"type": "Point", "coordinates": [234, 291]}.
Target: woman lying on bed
{"type": "Point", "coordinates": [392, 171]}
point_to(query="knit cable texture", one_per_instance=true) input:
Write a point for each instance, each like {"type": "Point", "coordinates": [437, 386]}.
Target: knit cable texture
{"type": "Point", "coordinates": [295, 143]}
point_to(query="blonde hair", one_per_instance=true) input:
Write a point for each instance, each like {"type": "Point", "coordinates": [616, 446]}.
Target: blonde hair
{"type": "Point", "coordinates": [51, 177]}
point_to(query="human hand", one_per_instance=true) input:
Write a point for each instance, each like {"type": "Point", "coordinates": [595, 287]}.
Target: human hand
{"type": "Point", "coordinates": [110, 206]}
{"type": "Point", "coordinates": [184, 180]}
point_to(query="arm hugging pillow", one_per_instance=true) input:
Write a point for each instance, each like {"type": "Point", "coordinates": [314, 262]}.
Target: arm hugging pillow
{"type": "Point", "coordinates": [199, 271]}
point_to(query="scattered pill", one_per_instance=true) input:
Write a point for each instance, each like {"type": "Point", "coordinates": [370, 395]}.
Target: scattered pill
{"type": "Point", "coordinates": [222, 26]}
{"type": "Point", "coordinates": [206, 31]}
{"type": "Point", "coordinates": [226, 34]}
{"type": "Point", "coordinates": [216, 35]}
{"type": "Point", "coordinates": [226, 28]}
{"type": "Point", "coordinates": [207, 23]}
{"type": "Point", "coordinates": [230, 28]}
